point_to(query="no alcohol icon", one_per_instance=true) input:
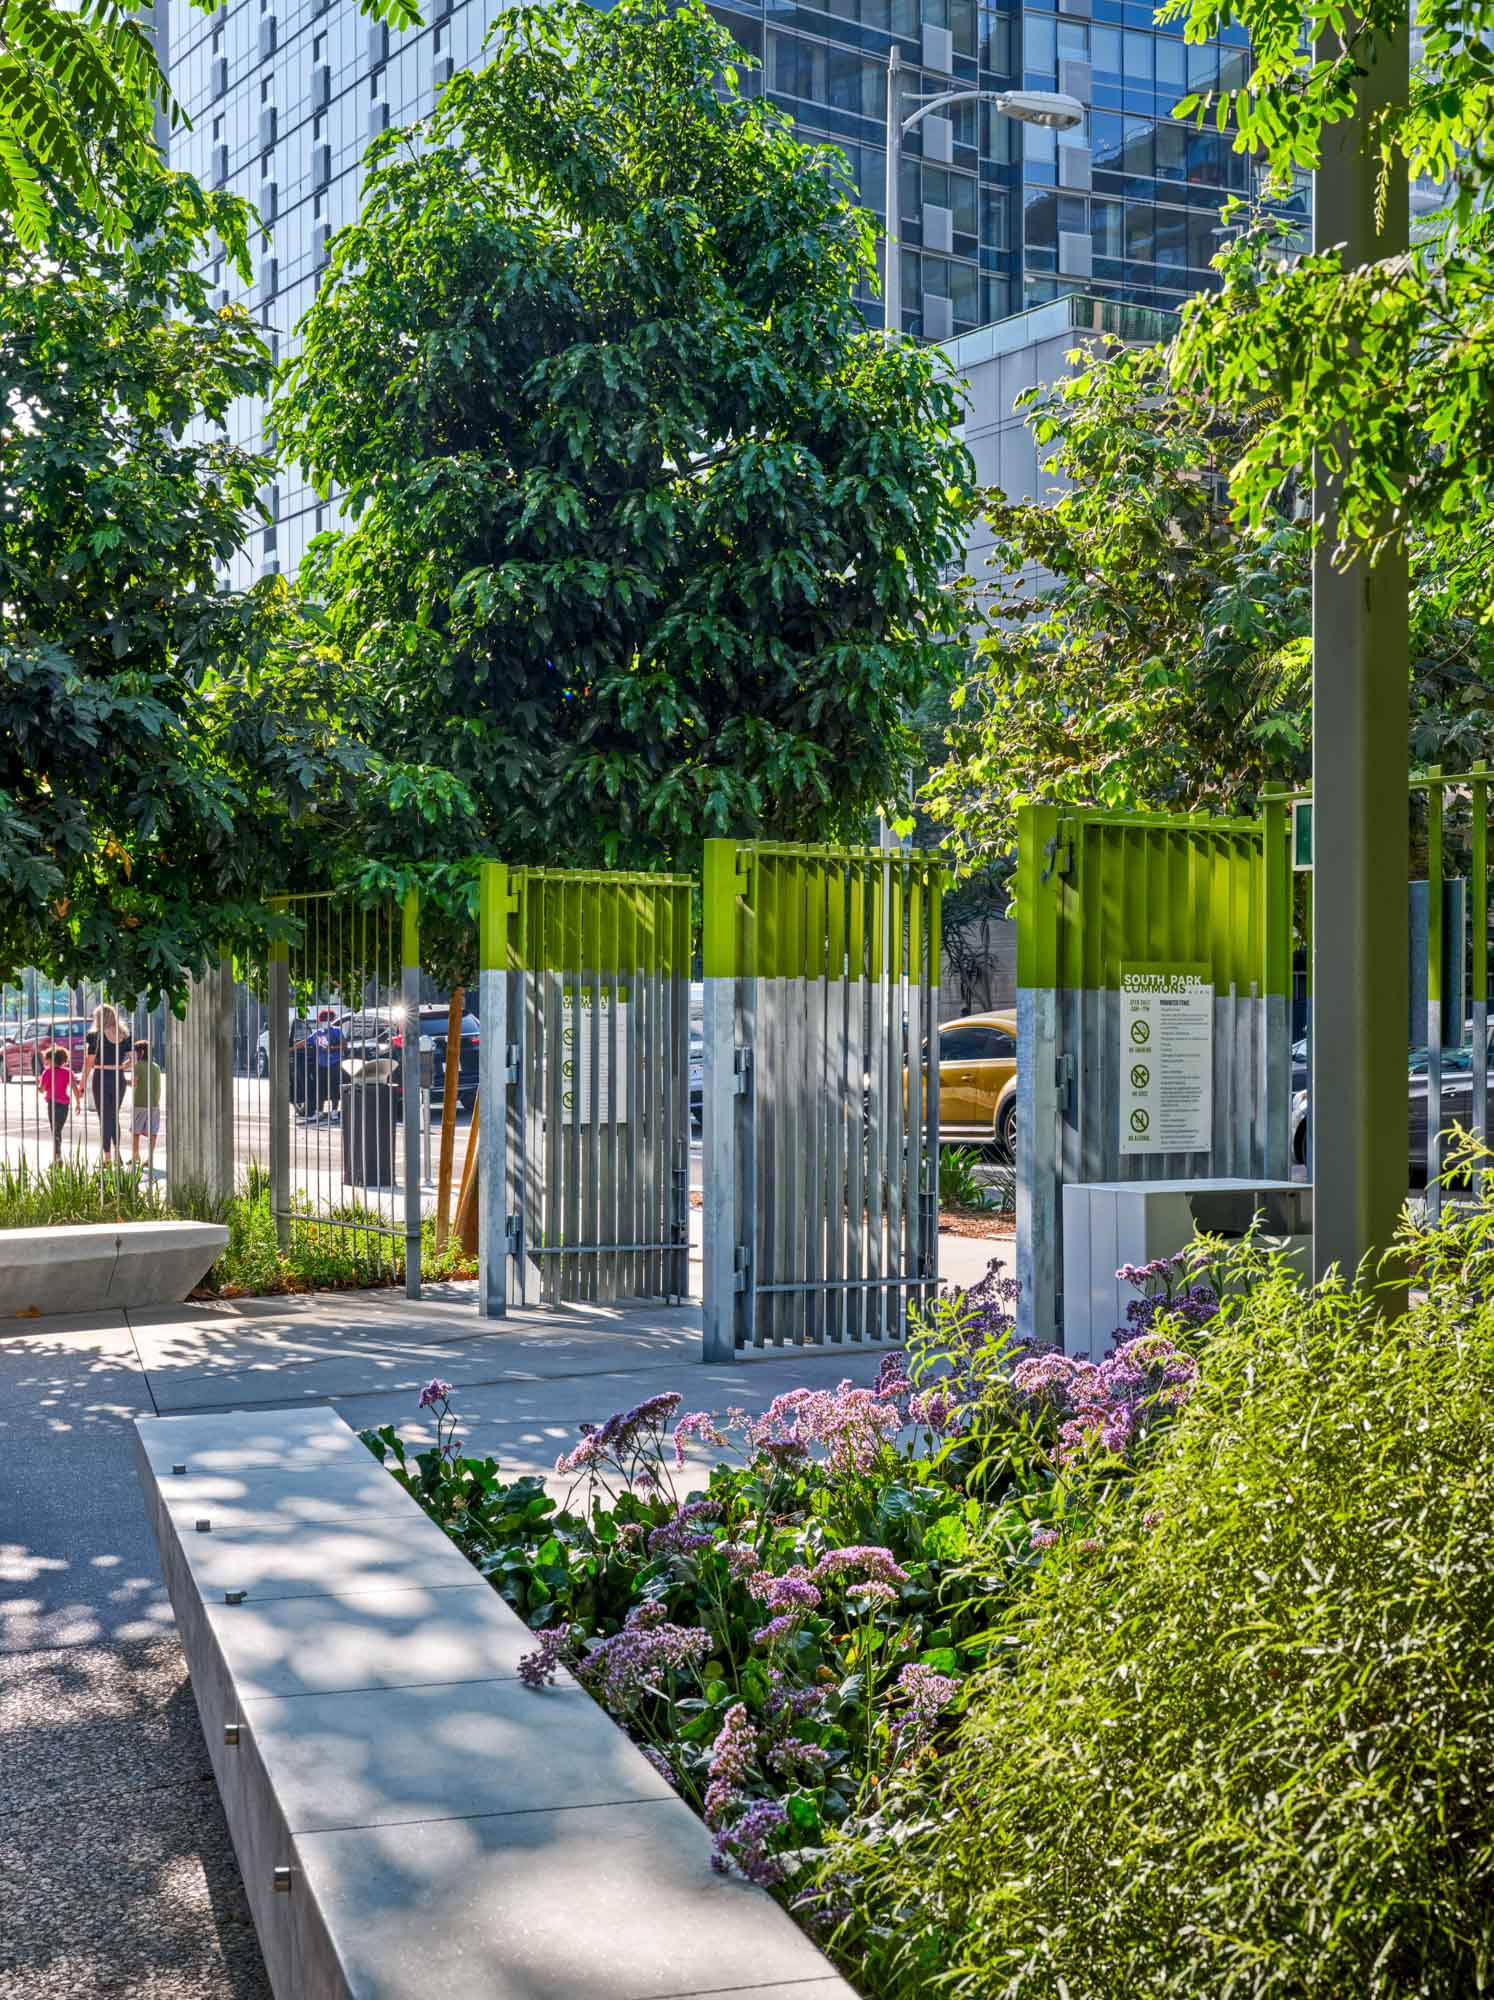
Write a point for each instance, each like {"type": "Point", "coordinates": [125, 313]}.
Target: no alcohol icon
{"type": "Point", "coordinates": [1141, 1121]}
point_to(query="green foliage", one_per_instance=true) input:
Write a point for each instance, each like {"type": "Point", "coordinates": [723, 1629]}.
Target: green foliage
{"type": "Point", "coordinates": [168, 753]}
{"type": "Point", "coordinates": [1393, 356]}
{"type": "Point", "coordinates": [960, 1185]}
{"type": "Point", "coordinates": [337, 1249]}
{"type": "Point", "coordinates": [1150, 649]}
{"type": "Point", "coordinates": [68, 1192]}
{"type": "Point", "coordinates": [1241, 1743]}
{"type": "Point", "coordinates": [650, 530]}
{"type": "Point", "coordinates": [791, 1639]}
{"type": "Point", "coordinates": [80, 93]}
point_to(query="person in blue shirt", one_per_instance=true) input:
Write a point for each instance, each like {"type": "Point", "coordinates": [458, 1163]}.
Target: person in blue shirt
{"type": "Point", "coordinates": [327, 1046]}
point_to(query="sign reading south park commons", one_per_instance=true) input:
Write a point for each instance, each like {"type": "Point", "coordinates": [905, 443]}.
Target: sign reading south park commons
{"type": "Point", "coordinates": [1166, 1059]}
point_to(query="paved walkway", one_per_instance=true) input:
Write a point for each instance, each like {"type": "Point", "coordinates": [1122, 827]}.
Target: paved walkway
{"type": "Point", "coordinates": [118, 1874]}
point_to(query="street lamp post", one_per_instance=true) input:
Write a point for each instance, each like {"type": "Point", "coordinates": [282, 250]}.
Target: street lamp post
{"type": "Point", "coordinates": [1027, 107]}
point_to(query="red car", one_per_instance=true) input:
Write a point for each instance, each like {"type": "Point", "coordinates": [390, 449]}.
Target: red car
{"type": "Point", "coordinates": [26, 1045]}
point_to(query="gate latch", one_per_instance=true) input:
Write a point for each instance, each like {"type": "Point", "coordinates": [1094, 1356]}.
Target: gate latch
{"type": "Point", "coordinates": [741, 1082]}
{"type": "Point", "coordinates": [741, 1277]}
{"type": "Point", "coordinates": [514, 1231]}
{"type": "Point", "coordinates": [511, 1062]}
{"type": "Point", "coordinates": [1064, 1078]}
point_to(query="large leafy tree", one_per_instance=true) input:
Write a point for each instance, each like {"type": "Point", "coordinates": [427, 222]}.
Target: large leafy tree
{"type": "Point", "coordinates": [81, 92]}
{"type": "Point", "coordinates": [1397, 355]}
{"type": "Point", "coordinates": [167, 753]}
{"type": "Point", "coordinates": [650, 532]}
{"type": "Point", "coordinates": [1148, 647]}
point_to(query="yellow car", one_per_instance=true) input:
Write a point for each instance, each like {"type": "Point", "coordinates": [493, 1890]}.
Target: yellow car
{"type": "Point", "coordinates": [978, 1082]}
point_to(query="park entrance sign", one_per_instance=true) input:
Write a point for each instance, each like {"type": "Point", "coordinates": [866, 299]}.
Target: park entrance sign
{"type": "Point", "coordinates": [1166, 1061]}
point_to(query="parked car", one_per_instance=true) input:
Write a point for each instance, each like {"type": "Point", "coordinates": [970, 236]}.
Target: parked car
{"type": "Point", "coordinates": [697, 1081]}
{"type": "Point", "coordinates": [1456, 1107]}
{"type": "Point", "coordinates": [27, 1044]}
{"type": "Point", "coordinates": [978, 1082]}
{"type": "Point", "coordinates": [373, 1044]}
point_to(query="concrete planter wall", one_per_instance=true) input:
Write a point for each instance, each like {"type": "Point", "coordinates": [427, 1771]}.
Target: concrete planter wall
{"type": "Point", "coordinates": [86, 1267]}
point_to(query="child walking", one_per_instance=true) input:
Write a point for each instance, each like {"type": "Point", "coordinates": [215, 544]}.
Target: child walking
{"type": "Point", "coordinates": [145, 1106]}
{"type": "Point", "coordinates": [55, 1084]}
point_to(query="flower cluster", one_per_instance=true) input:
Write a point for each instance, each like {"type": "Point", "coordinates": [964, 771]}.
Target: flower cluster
{"type": "Point", "coordinates": [698, 1424]}
{"type": "Point", "coordinates": [635, 1662]}
{"type": "Point", "coordinates": [792, 1591]}
{"type": "Point", "coordinates": [680, 1535]}
{"type": "Point", "coordinates": [435, 1391]}
{"type": "Point", "coordinates": [852, 1426]}
{"type": "Point", "coordinates": [628, 1445]}
{"type": "Point", "coordinates": [538, 1669]}
{"type": "Point", "coordinates": [745, 1844]}
{"type": "Point", "coordinates": [876, 1565]}
{"type": "Point", "coordinates": [733, 1755]}
{"type": "Point", "coordinates": [928, 1694]}
{"type": "Point", "coordinates": [1103, 1405]}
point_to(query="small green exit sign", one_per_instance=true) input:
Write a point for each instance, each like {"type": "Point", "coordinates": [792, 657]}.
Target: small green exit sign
{"type": "Point", "coordinates": [1302, 833]}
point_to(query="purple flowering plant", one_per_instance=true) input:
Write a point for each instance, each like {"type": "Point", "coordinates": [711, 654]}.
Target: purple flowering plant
{"type": "Point", "coordinates": [784, 1607]}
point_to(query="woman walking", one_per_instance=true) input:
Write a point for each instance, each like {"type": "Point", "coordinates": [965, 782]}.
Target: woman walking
{"type": "Point", "coordinates": [105, 1070]}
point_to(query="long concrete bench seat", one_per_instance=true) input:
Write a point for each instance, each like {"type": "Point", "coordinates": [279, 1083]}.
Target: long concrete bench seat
{"type": "Point", "coordinates": [83, 1267]}
{"type": "Point", "coordinates": [409, 1817]}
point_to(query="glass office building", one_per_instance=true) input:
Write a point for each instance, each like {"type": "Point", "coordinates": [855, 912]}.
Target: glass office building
{"type": "Point", "coordinates": [284, 95]}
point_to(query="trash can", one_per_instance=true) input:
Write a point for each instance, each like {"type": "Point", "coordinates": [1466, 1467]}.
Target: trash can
{"type": "Point", "coordinates": [367, 1133]}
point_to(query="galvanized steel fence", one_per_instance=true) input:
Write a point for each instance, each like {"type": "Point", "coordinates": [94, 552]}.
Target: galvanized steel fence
{"type": "Point", "coordinates": [584, 1118]}
{"type": "Point", "coordinates": [820, 1095]}
{"type": "Point", "coordinates": [334, 1111]}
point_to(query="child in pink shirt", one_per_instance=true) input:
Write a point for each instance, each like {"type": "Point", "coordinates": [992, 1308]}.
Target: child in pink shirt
{"type": "Point", "coordinates": [55, 1083]}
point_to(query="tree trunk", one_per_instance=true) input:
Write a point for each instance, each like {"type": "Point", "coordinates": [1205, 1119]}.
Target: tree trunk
{"type": "Point", "coordinates": [466, 1210]}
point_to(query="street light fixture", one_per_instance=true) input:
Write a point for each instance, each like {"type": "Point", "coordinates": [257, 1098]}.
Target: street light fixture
{"type": "Point", "coordinates": [1028, 107]}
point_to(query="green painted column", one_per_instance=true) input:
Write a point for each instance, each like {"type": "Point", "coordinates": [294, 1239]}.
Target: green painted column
{"type": "Point", "coordinates": [1360, 724]}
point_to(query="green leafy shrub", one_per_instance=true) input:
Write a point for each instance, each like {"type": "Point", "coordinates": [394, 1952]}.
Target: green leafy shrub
{"type": "Point", "coordinates": [1240, 1739]}
{"type": "Point", "coordinates": [328, 1250]}
{"type": "Point", "coordinates": [959, 1183]}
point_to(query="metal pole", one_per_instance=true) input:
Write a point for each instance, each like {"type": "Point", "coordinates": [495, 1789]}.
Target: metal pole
{"type": "Point", "coordinates": [721, 1272]}
{"type": "Point", "coordinates": [1360, 772]}
{"type": "Point", "coordinates": [492, 1089]}
{"type": "Point", "coordinates": [892, 289]}
{"type": "Point", "coordinates": [279, 1086]}
{"type": "Point", "coordinates": [409, 992]}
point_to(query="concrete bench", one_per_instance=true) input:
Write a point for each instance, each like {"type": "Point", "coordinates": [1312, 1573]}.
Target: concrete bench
{"type": "Point", "coordinates": [82, 1267]}
{"type": "Point", "coordinates": [409, 1817]}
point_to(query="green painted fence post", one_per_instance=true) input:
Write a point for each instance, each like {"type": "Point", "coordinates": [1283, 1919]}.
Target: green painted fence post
{"type": "Point", "coordinates": [1276, 925]}
{"type": "Point", "coordinates": [725, 959]}
{"type": "Point", "coordinates": [495, 904]}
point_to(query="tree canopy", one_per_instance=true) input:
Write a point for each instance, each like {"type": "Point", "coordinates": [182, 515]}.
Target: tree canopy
{"type": "Point", "coordinates": [1395, 355]}
{"type": "Point", "coordinates": [81, 90]}
{"type": "Point", "coordinates": [1148, 647]}
{"type": "Point", "coordinates": [650, 533]}
{"type": "Point", "coordinates": [168, 753]}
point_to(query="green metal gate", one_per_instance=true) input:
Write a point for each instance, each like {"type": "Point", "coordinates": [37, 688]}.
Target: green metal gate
{"type": "Point", "coordinates": [1116, 912]}
{"type": "Point", "coordinates": [821, 1105]}
{"type": "Point", "coordinates": [584, 1114]}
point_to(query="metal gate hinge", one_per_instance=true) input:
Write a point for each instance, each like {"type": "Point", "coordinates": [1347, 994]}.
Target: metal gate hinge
{"type": "Point", "coordinates": [511, 1062]}
{"type": "Point", "coordinates": [741, 1081]}
{"type": "Point", "coordinates": [741, 1277]}
{"type": "Point", "coordinates": [514, 1231]}
{"type": "Point", "coordinates": [1059, 855]}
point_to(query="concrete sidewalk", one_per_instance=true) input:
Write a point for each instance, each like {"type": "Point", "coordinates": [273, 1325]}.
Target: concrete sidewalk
{"type": "Point", "coordinates": [120, 1879]}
